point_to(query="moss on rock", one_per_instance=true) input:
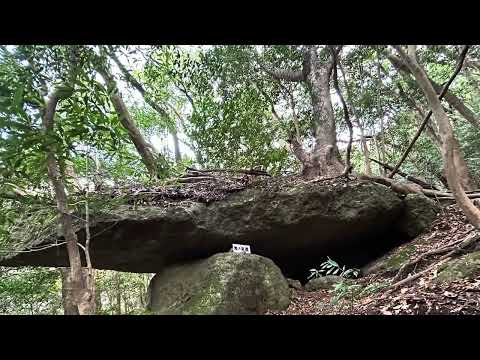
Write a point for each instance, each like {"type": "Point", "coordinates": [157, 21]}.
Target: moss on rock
{"type": "Point", "coordinates": [465, 267]}
{"type": "Point", "coordinates": [420, 212]}
{"type": "Point", "coordinates": [324, 282]}
{"type": "Point", "coordinates": [226, 284]}
{"type": "Point", "coordinates": [392, 262]}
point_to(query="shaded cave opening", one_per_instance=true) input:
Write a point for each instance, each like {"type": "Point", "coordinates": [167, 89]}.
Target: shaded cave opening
{"type": "Point", "coordinates": [351, 253]}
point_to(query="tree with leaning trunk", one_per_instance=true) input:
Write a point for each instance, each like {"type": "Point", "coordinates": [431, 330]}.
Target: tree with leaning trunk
{"type": "Point", "coordinates": [146, 151]}
{"type": "Point", "coordinates": [465, 176]}
{"type": "Point", "coordinates": [445, 131]}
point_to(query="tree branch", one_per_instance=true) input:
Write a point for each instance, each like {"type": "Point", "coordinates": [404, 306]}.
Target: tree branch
{"type": "Point", "coordinates": [425, 121]}
{"type": "Point", "coordinates": [451, 98]}
{"type": "Point", "coordinates": [283, 74]}
{"type": "Point", "coordinates": [446, 133]}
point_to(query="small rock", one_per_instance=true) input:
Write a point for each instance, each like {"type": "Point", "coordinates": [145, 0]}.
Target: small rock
{"type": "Point", "coordinates": [295, 284]}
{"type": "Point", "coordinates": [323, 282]}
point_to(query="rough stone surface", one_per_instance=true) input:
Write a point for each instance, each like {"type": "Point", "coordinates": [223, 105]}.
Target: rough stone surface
{"type": "Point", "coordinates": [390, 263]}
{"type": "Point", "coordinates": [294, 284]}
{"type": "Point", "coordinates": [465, 267]}
{"type": "Point", "coordinates": [297, 225]}
{"type": "Point", "coordinates": [224, 284]}
{"type": "Point", "coordinates": [323, 282]}
{"type": "Point", "coordinates": [419, 215]}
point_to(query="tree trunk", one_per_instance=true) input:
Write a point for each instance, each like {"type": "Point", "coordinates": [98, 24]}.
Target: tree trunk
{"type": "Point", "coordinates": [145, 150]}
{"type": "Point", "coordinates": [80, 294]}
{"type": "Point", "coordinates": [356, 120]}
{"type": "Point", "coordinates": [325, 157]}
{"type": "Point", "coordinates": [380, 114]}
{"type": "Point", "coordinates": [68, 297]}
{"type": "Point", "coordinates": [176, 145]}
{"type": "Point", "coordinates": [118, 293]}
{"type": "Point", "coordinates": [464, 175]}
{"type": "Point", "coordinates": [68, 294]}
{"type": "Point", "coordinates": [98, 300]}
{"type": "Point", "coordinates": [446, 134]}
{"type": "Point", "coordinates": [137, 85]}
{"type": "Point", "coordinates": [453, 100]}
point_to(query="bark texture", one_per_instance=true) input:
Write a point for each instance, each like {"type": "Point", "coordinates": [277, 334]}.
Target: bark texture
{"type": "Point", "coordinates": [451, 98]}
{"type": "Point", "coordinates": [141, 89]}
{"type": "Point", "coordinates": [80, 295]}
{"type": "Point", "coordinates": [324, 159]}
{"type": "Point", "coordinates": [446, 134]}
{"type": "Point", "coordinates": [145, 150]}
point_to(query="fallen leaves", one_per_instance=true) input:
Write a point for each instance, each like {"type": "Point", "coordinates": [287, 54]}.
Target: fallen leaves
{"type": "Point", "coordinates": [421, 296]}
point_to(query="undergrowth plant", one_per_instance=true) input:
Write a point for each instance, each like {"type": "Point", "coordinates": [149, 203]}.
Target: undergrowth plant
{"type": "Point", "coordinates": [331, 267]}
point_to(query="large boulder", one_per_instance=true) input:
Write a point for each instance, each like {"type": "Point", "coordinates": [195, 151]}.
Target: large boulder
{"type": "Point", "coordinates": [224, 284]}
{"type": "Point", "coordinates": [420, 212]}
{"type": "Point", "coordinates": [297, 224]}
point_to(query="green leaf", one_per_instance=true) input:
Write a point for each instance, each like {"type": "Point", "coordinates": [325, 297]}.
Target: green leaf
{"type": "Point", "coordinates": [18, 97]}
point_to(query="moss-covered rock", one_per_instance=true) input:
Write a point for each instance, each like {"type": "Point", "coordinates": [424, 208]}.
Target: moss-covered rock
{"type": "Point", "coordinates": [294, 223]}
{"type": "Point", "coordinates": [324, 282]}
{"type": "Point", "coordinates": [294, 284]}
{"type": "Point", "coordinates": [465, 267]}
{"type": "Point", "coordinates": [420, 212]}
{"type": "Point", "coordinates": [390, 263]}
{"type": "Point", "coordinates": [224, 284]}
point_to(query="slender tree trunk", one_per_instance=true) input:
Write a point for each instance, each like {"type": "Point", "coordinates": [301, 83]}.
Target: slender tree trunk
{"type": "Point", "coordinates": [176, 145]}
{"type": "Point", "coordinates": [98, 300]}
{"type": "Point", "coordinates": [446, 134]}
{"type": "Point", "coordinates": [118, 293]}
{"type": "Point", "coordinates": [453, 100]}
{"type": "Point", "coordinates": [380, 114]}
{"type": "Point", "coordinates": [356, 120]}
{"type": "Point", "coordinates": [145, 150]}
{"type": "Point", "coordinates": [465, 177]}
{"type": "Point", "coordinates": [140, 88]}
{"type": "Point", "coordinates": [80, 294]}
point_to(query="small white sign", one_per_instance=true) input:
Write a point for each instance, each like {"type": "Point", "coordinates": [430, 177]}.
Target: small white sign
{"type": "Point", "coordinates": [237, 248]}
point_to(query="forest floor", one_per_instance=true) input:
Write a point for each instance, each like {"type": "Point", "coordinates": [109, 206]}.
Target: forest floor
{"type": "Point", "coordinates": [423, 295]}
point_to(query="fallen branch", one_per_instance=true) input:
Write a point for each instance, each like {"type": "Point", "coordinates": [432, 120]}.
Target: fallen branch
{"type": "Point", "coordinates": [452, 251]}
{"type": "Point", "coordinates": [406, 176]}
{"type": "Point", "coordinates": [406, 267]}
{"type": "Point", "coordinates": [195, 179]}
{"type": "Point", "coordinates": [240, 171]}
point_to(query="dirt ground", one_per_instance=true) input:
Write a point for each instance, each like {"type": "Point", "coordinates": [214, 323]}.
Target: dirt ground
{"type": "Point", "coordinates": [420, 296]}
